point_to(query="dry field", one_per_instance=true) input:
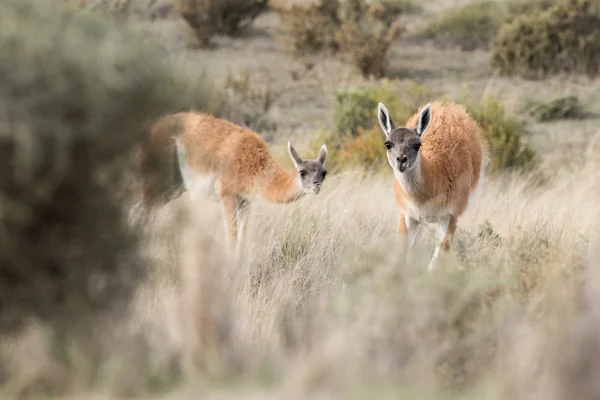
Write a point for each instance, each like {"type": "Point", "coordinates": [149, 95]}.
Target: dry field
{"type": "Point", "coordinates": [321, 306]}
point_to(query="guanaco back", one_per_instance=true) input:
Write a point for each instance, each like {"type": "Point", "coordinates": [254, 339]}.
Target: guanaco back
{"type": "Point", "coordinates": [438, 161]}
{"type": "Point", "coordinates": [206, 155]}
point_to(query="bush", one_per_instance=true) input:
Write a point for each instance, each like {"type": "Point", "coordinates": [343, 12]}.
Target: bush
{"type": "Point", "coordinates": [503, 135]}
{"type": "Point", "coordinates": [365, 40]}
{"type": "Point", "coordinates": [362, 33]}
{"type": "Point", "coordinates": [124, 8]}
{"type": "Point", "coordinates": [389, 10]}
{"type": "Point", "coordinates": [210, 17]}
{"type": "Point", "coordinates": [565, 38]}
{"type": "Point", "coordinates": [567, 107]}
{"type": "Point", "coordinates": [354, 108]}
{"type": "Point", "coordinates": [312, 27]}
{"type": "Point", "coordinates": [517, 8]}
{"type": "Point", "coordinates": [68, 127]}
{"type": "Point", "coordinates": [469, 27]}
{"type": "Point", "coordinates": [475, 25]}
{"type": "Point", "coordinates": [357, 138]}
{"type": "Point", "coordinates": [247, 103]}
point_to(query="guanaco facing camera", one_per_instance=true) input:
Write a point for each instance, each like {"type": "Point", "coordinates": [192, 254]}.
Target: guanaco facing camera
{"type": "Point", "coordinates": [203, 154]}
{"type": "Point", "coordinates": [438, 162]}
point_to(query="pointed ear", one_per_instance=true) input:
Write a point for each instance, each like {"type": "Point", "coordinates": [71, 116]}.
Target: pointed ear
{"type": "Point", "coordinates": [294, 155]}
{"type": "Point", "coordinates": [384, 119]}
{"type": "Point", "coordinates": [322, 155]}
{"type": "Point", "coordinates": [424, 120]}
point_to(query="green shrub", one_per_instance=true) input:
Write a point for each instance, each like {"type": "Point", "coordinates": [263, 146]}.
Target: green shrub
{"type": "Point", "coordinates": [75, 93]}
{"type": "Point", "coordinates": [504, 135]}
{"type": "Point", "coordinates": [148, 9]}
{"type": "Point", "coordinates": [567, 107]}
{"type": "Point", "coordinates": [469, 27]}
{"type": "Point", "coordinates": [517, 8]}
{"type": "Point", "coordinates": [361, 33]}
{"type": "Point", "coordinates": [354, 108]}
{"type": "Point", "coordinates": [475, 25]}
{"type": "Point", "coordinates": [312, 28]}
{"type": "Point", "coordinates": [364, 151]}
{"type": "Point", "coordinates": [210, 17]}
{"type": "Point", "coordinates": [248, 103]}
{"type": "Point", "coordinates": [389, 10]}
{"type": "Point", "coordinates": [357, 138]}
{"type": "Point", "coordinates": [563, 39]}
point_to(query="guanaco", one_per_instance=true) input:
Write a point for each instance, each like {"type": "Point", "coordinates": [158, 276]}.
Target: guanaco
{"type": "Point", "coordinates": [206, 155]}
{"type": "Point", "coordinates": [438, 162]}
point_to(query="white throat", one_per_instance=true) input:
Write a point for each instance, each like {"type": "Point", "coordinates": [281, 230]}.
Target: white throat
{"type": "Point", "coordinates": [410, 180]}
{"type": "Point", "coordinates": [297, 191]}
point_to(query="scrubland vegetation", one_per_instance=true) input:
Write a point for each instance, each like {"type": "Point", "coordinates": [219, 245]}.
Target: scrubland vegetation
{"type": "Point", "coordinates": [98, 303]}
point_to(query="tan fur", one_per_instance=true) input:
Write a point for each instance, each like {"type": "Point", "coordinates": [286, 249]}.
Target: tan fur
{"type": "Point", "coordinates": [450, 162]}
{"type": "Point", "coordinates": [236, 161]}
{"type": "Point", "coordinates": [451, 158]}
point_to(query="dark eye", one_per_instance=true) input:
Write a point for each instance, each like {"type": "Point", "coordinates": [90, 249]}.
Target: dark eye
{"type": "Point", "coordinates": [324, 174]}
{"type": "Point", "coordinates": [416, 146]}
{"type": "Point", "coordinates": [388, 145]}
{"type": "Point", "coordinates": [302, 173]}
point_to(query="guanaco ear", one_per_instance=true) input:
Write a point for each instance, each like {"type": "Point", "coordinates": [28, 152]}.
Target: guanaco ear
{"type": "Point", "coordinates": [384, 119]}
{"type": "Point", "coordinates": [424, 120]}
{"type": "Point", "coordinates": [294, 154]}
{"type": "Point", "coordinates": [322, 155]}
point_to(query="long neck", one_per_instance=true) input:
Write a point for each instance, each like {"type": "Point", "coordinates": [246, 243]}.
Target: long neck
{"type": "Point", "coordinates": [412, 181]}
{"type": "Point", "coordinates": [281, 186]}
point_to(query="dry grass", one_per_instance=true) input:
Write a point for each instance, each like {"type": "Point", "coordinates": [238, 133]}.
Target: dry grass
{"type": "Point", "coordinates": [322, 304]}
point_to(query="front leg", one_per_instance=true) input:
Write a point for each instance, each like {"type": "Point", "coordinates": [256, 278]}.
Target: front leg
{"type": "Point", "coordinates": [243, 209]}
{"type": "Point", "coordinates": [408, 229]}
{"type": "Point", "coordinates": [229, 206]}
{"type": "Point", "coordinates": [413, 226]}
{"type": "Point", "coordinates": [444, 235]}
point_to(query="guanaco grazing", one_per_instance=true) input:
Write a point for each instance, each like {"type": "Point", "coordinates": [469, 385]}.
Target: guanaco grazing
{"type": "Point", "coordinates": [206, 155]}
{"type": "Point", "coordinates": [438, 162]}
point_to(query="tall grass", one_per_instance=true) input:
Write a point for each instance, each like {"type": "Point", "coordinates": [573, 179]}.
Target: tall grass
{"type": "Point", "coordinates": [322, 303]}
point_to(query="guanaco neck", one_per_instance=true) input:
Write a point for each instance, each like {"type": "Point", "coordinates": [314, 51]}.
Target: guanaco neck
{"type": "Point", "coordinates": [412, 181]}
{"type": "Point", "coordinates": [281, 185]}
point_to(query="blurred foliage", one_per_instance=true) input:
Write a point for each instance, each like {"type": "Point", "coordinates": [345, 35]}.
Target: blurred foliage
{"type": "Point", "coordinates": [357, 138]}
{"type": "Point", "coordinates": [74, 100]}
{"type": "Point", "coordinates": [469, 27]}
{"type": "Point", "coordinates": [516, 8]}
{"type": "Point", "coordinates": [476, 24]}
{"type": "Point", "coordinates": [389, 10]}
{"type": "Point", "coordinates": [568, 107]}
{"type": "Point", "coordinates": [247, 102]}
{"type": "Point", "coordinates": [562, 39]}
{"type": "Point", "coordinates": [504, 135]}
{"type": "Point", "coordinates": [210, 17]}
{"type": "Point", "coordinates": [360, 32]}
{"type": "Point", "coordinates": [148, 9]}
{"type": "Point", "coordinates": [356, 108]}
{"type": "Point", "coordinates": [312, 27]}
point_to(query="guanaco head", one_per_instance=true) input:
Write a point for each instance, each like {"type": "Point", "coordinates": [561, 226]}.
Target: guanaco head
{"type": "Point", "coordinates": [403, 143]}
{"type": "Point", "coordinates": [311, 173]}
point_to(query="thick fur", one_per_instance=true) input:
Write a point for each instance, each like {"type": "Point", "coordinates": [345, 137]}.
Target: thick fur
{"type": "Point", "coordinates": [203, 154]}
{"type": "Point", "coordinates": [449, 167]}
{"type": "Point", "coordinates": [451, 160]}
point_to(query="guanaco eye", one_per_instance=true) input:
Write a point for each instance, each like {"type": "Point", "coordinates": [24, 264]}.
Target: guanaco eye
{"type": "Point", "coordinates": [388, 145]}
{"type": "Point", "coordinates": [324, 174]}
{"type": "Point", "coordinates": [416, 146]}
{"type": "Point", "coordinates": [303, 173]}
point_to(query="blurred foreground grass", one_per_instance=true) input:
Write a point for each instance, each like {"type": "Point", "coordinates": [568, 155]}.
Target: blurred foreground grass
{"type": "Point", "coordinates": [321, 305]}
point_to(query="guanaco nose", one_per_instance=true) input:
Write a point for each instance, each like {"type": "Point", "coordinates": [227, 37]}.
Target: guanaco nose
{"type": "Point", "coordinates": [402, 159]}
